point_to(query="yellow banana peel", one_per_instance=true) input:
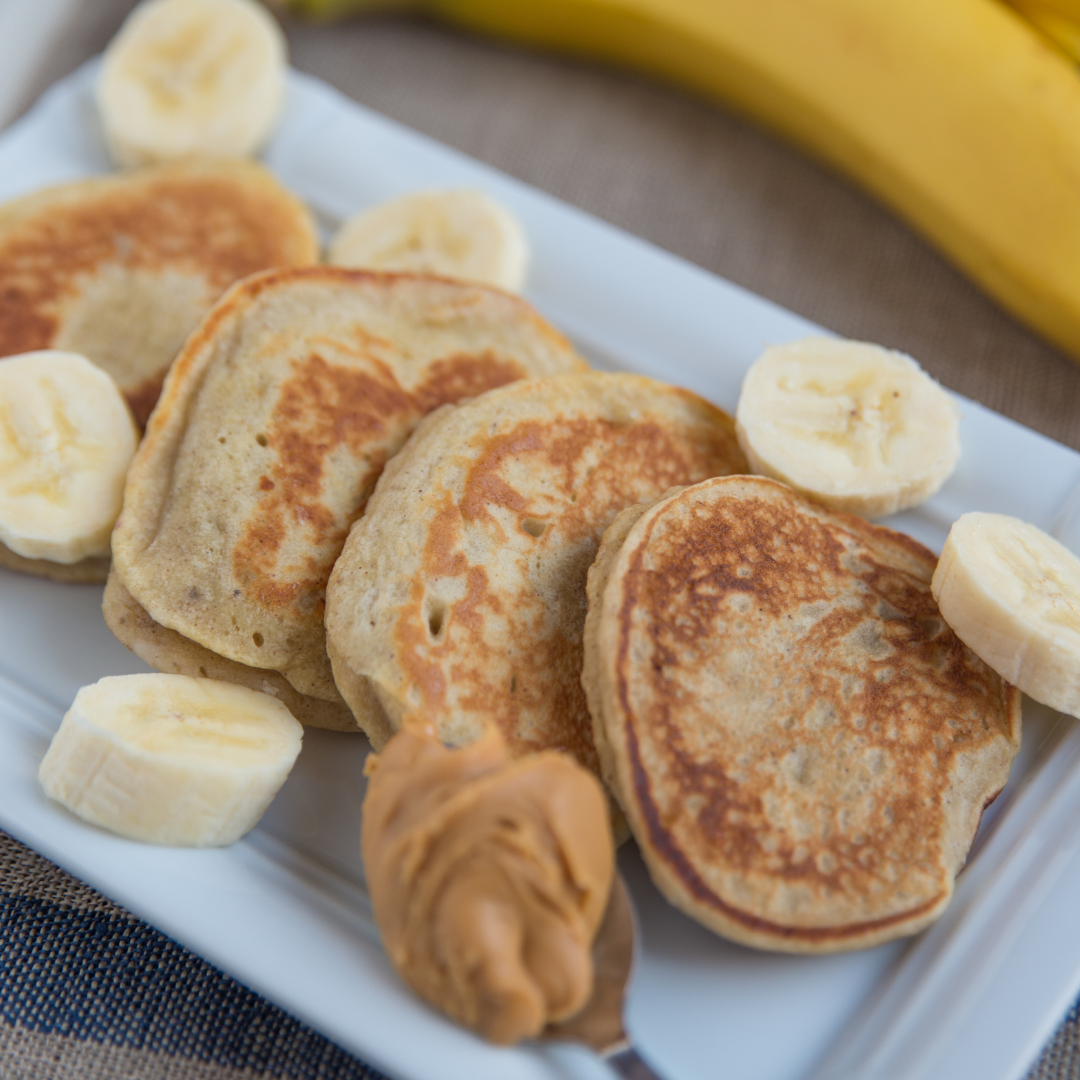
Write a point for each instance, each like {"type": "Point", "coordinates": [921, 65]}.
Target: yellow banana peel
{"type": "Point", "coordinates": [1059, 21]}
{"type": "Point", "coordinates": [1067, 9]}
{"type": "Point", "coordinates": [958, 114]}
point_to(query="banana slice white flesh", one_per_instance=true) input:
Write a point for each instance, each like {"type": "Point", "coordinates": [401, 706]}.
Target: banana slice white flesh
{"type": "Point", "coordinates": [855, 426]}
{"type": "Point", "coordinates": [66, 441]}
{"type": "Point", "coordinates": [189, 78]}
{"type": "Point", "coordinates": [169, 759]}
{"type": "Point", "coordinates": [1012, 594]}
{"type": "Point", "coordinates": [456, 233]}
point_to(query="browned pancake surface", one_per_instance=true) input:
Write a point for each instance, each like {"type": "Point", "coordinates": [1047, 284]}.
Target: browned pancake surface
{"type": "Point", "coordinates": [121, 268]}
{"type": "Point", "coordinates": [274, 425]}
{"type": "Point", "coordinates": [802, 745]}
{"type": "Point", "coordinates": [462, 589]}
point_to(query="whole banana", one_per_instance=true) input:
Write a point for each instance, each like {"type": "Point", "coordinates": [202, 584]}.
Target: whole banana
{"type": "Point", "coordinates": [958, 114]}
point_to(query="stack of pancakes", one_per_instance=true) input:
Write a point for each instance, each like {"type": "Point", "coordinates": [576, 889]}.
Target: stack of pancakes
{"type": "Point", "coordinates": [273, 427]}
{"type": "Point", "coordinates": [380, 495]}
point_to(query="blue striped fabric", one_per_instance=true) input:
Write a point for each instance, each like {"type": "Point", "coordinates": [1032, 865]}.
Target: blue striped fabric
{"type": "Point", "coordinates": [102, 975]}
{"type": "Point", "coordinates": [77, 967]}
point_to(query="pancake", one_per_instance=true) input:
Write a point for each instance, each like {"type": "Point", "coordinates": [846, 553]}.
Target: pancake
{"type": "Point", "coordinates": [122, 268]}
{"type": "Point", "coordinates": [174, 654]}
{"type": "Point", "coordinates": [802, 746]}
{"type": "Point", "coordinates": [274, 424]}
{"type": "Point", "coordinates": [461, 592]}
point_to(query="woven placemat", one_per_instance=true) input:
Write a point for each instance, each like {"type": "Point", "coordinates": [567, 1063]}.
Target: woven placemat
{"type": "Point", "coordinates": [87, 990]}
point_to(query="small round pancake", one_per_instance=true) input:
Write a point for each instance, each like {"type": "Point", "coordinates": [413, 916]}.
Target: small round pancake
{"type": "Point", "coordinates": [802, 746]}
{"type": "Point", "coordinates": [273, 426]}
{"type": "Point", "coordinates": [461, 591]}
{"type": "Point", "coordinates": [121, 268]}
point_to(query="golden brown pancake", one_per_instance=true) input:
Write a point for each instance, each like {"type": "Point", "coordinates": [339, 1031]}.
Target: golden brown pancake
{"type": "Point", "coordinates": [121, 268]}
{"type": "Point", "coordinates": [802, 746]}
{"type": "Point", "coordinates": [461, 591]}
{"type": "Point", "coordinates": [274, 424]}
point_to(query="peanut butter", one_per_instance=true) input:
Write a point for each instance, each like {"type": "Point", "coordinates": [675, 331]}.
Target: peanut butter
{"type": "Point", "coordinates": [488, 877]}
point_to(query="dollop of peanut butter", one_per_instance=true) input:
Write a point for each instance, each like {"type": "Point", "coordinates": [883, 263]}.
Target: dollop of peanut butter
{"type": "Point", "coordinates": [488, 877]}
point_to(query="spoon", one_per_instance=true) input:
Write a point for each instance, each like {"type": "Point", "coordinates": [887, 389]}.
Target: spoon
{"type": "Point", "coordinates": [599, 1025]}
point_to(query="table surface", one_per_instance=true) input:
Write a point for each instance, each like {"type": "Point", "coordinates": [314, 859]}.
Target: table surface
{"type": "Point", "coordinates": [86, 989]}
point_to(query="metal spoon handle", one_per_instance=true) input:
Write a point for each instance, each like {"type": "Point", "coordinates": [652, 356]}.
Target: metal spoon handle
{"type": "Point", "coordinates": [631, 1066]}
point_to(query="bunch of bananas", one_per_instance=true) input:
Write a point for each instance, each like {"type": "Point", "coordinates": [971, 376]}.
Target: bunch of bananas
{"type": "Point", "coordinates": [961, 115]}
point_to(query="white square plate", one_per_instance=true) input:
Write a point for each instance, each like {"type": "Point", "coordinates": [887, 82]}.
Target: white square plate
{"type": "Point", "coordinates": [285, 910]}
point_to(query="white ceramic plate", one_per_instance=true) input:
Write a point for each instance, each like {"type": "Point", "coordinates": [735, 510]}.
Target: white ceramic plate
{"type": "Point", "coordinates": [285, 910]}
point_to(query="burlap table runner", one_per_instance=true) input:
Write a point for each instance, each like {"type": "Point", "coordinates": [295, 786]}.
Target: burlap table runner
{"type": "Point", "coordinates": [88, 991]}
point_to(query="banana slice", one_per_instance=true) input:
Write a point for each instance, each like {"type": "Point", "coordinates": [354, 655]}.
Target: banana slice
{"type": "Point", "coordinates": [1012, 594]}
{"type": "Point", "coordinates": [169, 759]}
{"type": "Point", "coordinates": [460, 234]}
{"type": "Point", "coordinates": [192, 77]}
{"type": "Point", "coordinates": [66, 440]}
{"type": "Point", "coordinates": [855, 426]}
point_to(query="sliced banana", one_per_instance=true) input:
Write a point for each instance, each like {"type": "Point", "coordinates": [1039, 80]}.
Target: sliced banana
{"type": "Point", "coordinates": [66, 441]}
{"type": "Point", "coordinates": [169, 759]}
{"type": "Point", "coordinates": [457, 233]}
{"type": "Point", "coordinates": [1012, 594]}
{"type": "Point", "coordinates": [855, 426]}
{"type": "Point", "coordinates": [189, 78]}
